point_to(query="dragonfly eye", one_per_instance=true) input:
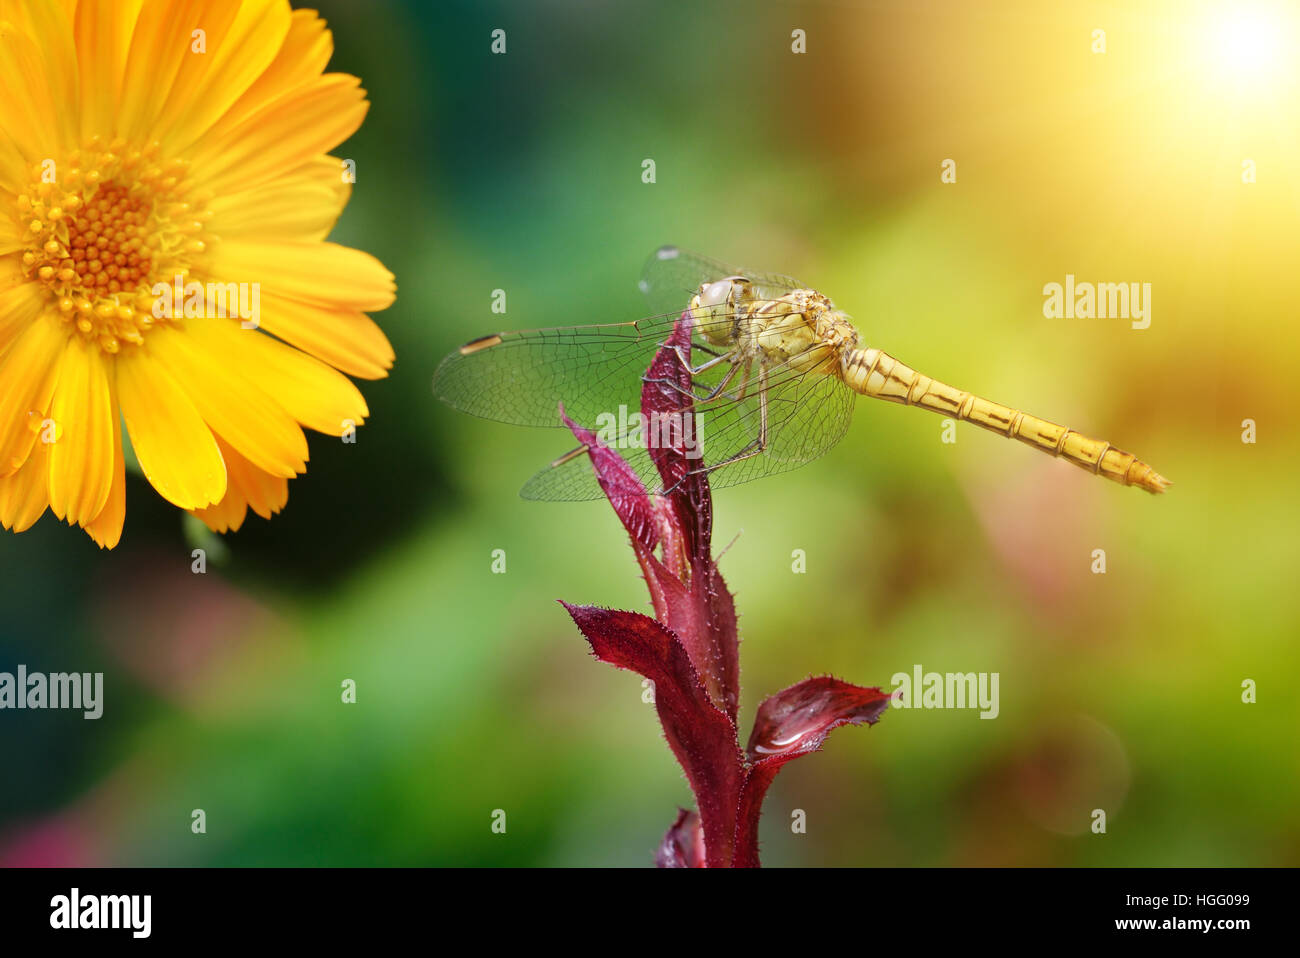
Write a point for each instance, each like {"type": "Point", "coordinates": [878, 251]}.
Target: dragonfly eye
{"type": "Point", "coordinates": [715, 294]}
{"type": "Point", "coordinates": [722, 293]}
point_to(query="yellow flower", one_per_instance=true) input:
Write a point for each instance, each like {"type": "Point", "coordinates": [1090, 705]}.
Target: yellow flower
{"type": "Point", "coordinates": [150, 148]}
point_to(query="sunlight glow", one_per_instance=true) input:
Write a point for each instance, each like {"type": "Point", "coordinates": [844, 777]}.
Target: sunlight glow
{"type": "Point", "coordinates": [1245, 42]}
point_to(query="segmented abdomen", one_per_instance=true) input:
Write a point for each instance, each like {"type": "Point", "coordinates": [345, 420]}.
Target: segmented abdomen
{"type": "Point", "coordinates": [872, 372]}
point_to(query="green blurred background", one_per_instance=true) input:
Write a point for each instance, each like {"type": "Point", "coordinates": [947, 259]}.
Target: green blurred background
{"type": "Point", "coordinates": [522, 172]}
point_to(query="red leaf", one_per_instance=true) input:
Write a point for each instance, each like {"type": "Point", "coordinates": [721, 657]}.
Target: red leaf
{"type": "Point", "coordinates": [688, 612]}
{"type": "Point", "coordinates": [667, 391]}
{"type": "Point", "coordinates": [648, 521]}
{"type": "Point", "coordinates": [686, 588]}
{"type": "Point", "coordinates": [704, 616]}
{"type": "Point", "coordinates": [621, 485]}
{"type": "Point", "coordinates": [791, 723]}
{"type": "Point", "coordinates": [702, 737]}
{"type": "Point", "coordinates": [683, 845]}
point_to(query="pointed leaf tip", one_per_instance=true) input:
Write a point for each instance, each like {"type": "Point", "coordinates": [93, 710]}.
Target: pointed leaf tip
{"type": "Point", "coordinates": [621, 485]}
{"type": "Point", "coordinates": [702, 736]}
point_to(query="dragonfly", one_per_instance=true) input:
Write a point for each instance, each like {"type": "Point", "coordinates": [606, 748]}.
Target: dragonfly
{"type": "Point", "coordinates": [774, 368]}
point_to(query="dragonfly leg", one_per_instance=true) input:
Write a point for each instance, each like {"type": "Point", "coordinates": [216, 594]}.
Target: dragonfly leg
{"type": "Point", "coordinates": [722, 383]}
{"type": "Point", "coordinates": [731, 397]}
{"type": "Point", "coordinates": [755, 446]}
{"type": "Point", "coordinates": [744, 383]}
{"type": "Point", "coordinates": [707, 350]}
{"type": "Point", "coordinates": [664, 381]}
{"type": "Point", "coordinates": [683, 355]}
{"type": "Point", "coordinates": [694, 371]}
{"type": "Point", "coordinates": [717, 358]}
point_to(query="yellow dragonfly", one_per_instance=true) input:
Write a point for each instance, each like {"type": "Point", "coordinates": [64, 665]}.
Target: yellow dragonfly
{"type": "Point", "coordinates": [774, 384]}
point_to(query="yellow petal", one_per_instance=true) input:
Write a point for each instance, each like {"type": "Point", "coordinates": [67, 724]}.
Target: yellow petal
{"type": "Point", "coordinates": [324, 273]}
{"type": "Point", "coordinates": [13, 166]}
{"type": "Point", "coordinates": [20, 305]}
{"type": "Point", "coordinates": [29, 116]}
{"type": "Point", "coordinates": [234, 406]}
{"type": "Point", "coordinates": [23, 495]}
{"type": "Point", "coordinates": [176, 450]}
{"type": "Point", "coordinates": [81, 461]}
{"type": "Point", "coordinates": [315, 395]}
{"type": "Point", "coordinates": [208, 84]}
{"type": "Point", "coordinates": [247, 487]}
{"type": "Point", "coordinates": [302, 58]}
{"type": "Point", "coordinates": [265, 494]}
{"type": "Point", "coordinates": [29, 370]}
{"type": "Point", "coordinates": [281, 137]}
{"type": "Point", "coordinates": [50, 29]}
{"type": "Point", "coordinates": [11, 267]}
{"type": "Point", "coordinates": [300, 205]}
{"type": "Point", "coordinates": [346, 339]}
{"type": "Point", "coordinates": [106, 529]}
{"type": "Point", "coordinates": [102, 32]}
{"type": "Point", "coordinates": [160, 44]}
{"type": "Point", "coordinates": [227, 515]}
{"type": "Point", "coordinates": [11, 237]}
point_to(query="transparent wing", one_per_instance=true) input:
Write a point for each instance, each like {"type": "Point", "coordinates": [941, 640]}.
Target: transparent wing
{"type": "Point", "coordinates": [808, 411]}
{"type": "Point", "coordinates": [574, 479]}
{"type": "Point", "coordinates": [522, 377]}
{"type": "Point", "coordinates": [671, 276]}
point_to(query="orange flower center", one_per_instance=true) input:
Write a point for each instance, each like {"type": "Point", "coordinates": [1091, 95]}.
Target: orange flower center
{"type": "Point", "coordinates": [103, 229]}
{"type": "Point", "coordinates": [108, 243]}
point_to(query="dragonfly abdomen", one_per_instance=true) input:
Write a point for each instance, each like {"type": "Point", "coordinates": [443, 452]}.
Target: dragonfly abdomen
{"type": "Point", "coordinates": [874, 373]}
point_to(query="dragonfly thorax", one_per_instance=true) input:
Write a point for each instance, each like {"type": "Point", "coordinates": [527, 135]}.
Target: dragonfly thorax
{"type": "Point", "coordinates": [801, 330]}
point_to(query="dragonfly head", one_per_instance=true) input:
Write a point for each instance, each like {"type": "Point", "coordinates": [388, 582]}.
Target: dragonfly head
{"type": "Point", "coordinates": [715, 307]}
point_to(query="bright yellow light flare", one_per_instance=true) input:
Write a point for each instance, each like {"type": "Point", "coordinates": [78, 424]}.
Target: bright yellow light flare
{"type": "Point", "coordinates": [165, 195]}
{"type": "Point", "coordinates": [1244, 43]}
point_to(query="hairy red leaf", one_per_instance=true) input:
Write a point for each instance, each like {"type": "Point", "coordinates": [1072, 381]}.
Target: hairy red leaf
{"type": "Point", "coordinates": [668, 390]}
{"type": "Point", "coordinates": [791, 723]}
{"type": "Point", "coordinates": [702, 737]}
{"type": "Point", "coordinates": [704, 615]}
{"type": "Point", "coordinates": [686, 588]}
{"type": "Point", "coordinates": [621, 485]}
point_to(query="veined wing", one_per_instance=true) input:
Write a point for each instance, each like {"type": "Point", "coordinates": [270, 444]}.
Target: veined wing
{"type": "Point", "coordinates": [672, 275]}
{"type": "Point", "coordinates": [522, 377]}
{"type": "Point", "coordinates": [808, 412]}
